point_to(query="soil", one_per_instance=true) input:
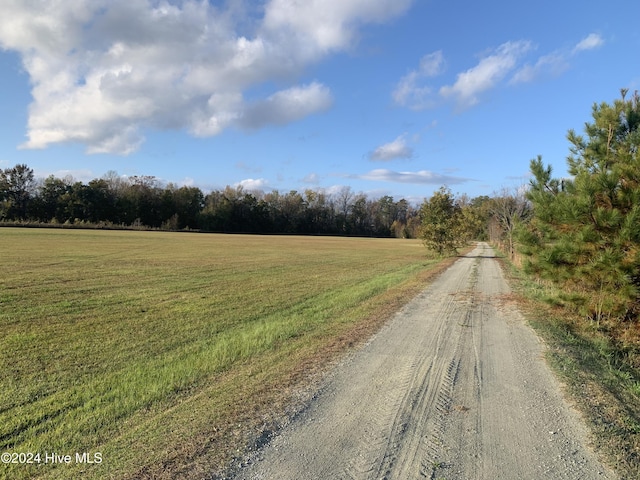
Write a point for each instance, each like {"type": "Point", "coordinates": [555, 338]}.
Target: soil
{"type": "Point", "coordinates": [454, 387]}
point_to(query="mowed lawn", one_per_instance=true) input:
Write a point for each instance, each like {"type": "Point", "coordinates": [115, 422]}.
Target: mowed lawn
{"type": "Point", "coordinates": [147, 350]}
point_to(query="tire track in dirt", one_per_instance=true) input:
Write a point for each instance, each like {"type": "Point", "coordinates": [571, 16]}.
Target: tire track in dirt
{"type": "Point", "coordinates": [453, 387]}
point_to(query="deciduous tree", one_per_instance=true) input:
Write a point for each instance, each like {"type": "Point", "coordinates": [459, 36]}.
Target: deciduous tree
{"type": "Point", "coordinates": [16, 188]}
{"type": "Point", "coordinates": [441, 222]}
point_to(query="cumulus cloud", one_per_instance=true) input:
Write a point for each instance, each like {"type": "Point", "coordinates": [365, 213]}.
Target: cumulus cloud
{"type": "Point", "coordinates": [251, 184]}
{"type": "Point", "coordinates": [287, 106]}
{"type": "Point", "coordinates": [104, 71]}
{"type": "Point", "coordinates": [392, 150]}
{"type": "Point", "coordinates": [486, 74]}
{"type": "Point", "coordinates": [419, 177]}
{"type": "Point", "coordinates": [412, 90]}
{"type": "Point", "coordinates": [313, 28]}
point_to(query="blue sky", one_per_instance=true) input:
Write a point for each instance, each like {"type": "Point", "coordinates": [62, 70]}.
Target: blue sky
{"type": "Point", "coordinates": [388, 97]}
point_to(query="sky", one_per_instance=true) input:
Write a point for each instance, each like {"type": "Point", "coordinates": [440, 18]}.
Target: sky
{"type": "Point", "coordinates": [387, 97]}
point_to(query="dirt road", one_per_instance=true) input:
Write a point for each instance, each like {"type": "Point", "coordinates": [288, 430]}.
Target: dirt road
{"type": "Point", "coordinates": [454, 387]}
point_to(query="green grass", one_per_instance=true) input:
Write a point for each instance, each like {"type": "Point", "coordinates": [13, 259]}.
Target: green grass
{"type": "Point", "coordinates": [152, 348]}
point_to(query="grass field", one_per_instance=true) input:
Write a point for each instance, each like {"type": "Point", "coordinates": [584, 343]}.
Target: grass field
{"type": "Point", "coordinates": [154, 352]}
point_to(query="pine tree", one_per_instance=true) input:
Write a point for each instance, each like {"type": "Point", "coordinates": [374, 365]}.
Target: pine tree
{"type": "Point", "coordinates": [585, 233]}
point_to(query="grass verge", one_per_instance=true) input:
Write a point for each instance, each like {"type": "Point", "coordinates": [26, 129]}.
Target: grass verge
{"type": "Point", "coordinates": [169, 353]}
{"type": "Point", "coordinates": [598, 366]}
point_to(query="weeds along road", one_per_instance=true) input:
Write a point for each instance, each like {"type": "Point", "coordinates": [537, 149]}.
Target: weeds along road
{"type": "Point", "coordinates": [454, 387]}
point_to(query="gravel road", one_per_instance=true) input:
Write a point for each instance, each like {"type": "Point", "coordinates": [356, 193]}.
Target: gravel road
{"type": "Point", "coordinates": [454, 387]}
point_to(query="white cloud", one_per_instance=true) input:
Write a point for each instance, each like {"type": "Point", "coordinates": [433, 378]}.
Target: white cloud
{"type": "Point", "coordinates": [590, 42]}
{"type": "Point", "coordinates": [552, 64]}
{"type": "Point", "coordinates": [392, 150]}
{"type": "Point", "coordinates": [508, 60]}
{"type": "Point", "coordinates": [335, 189]}
{"type": "Point", "coordinates": [556, 62]}
{"type": "Point", "coordinates": [251, 184]}
{"type": "Point", "coordinates": [420, 177]}
{"type": "Point", "coordinates": [187, 182]}
{"type": "Point", "coordinates": [486, 74]}
{"type": "Point", "coordinates": [287, 106]}
{"type": "Point", "coordinates": [80, 175]}
{"type": "Point", "coordinates": [104, 71]}
{"type": "Point", "coordinates": [312, 178]}
{"type": "Point", "coordinates": [313, 28]}
{"type": "Point", "coordinates": [411, 91]}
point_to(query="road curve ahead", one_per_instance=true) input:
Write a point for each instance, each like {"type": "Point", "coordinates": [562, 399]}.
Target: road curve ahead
{"type": "Point", "coordinates": [454, 387]}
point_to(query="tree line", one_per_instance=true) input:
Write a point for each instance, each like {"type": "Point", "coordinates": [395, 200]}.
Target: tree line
{"type": "Point", "coordinates": [114, 201]}
{"type": "Point", "coordinates": [143, 202]}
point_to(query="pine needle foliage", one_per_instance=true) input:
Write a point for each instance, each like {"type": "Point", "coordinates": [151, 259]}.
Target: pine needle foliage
{"type": "Point", "coordinates": [585, 232]}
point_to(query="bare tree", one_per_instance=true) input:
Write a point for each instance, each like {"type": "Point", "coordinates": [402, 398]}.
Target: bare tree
{"type": "Point", "coordinates": [508, 208]}
{"type": "Point", "coordinates": [344, 200]}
